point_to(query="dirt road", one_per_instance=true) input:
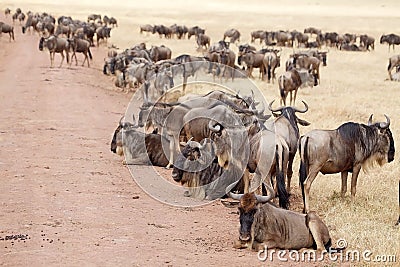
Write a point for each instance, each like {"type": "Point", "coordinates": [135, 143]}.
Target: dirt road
{"type": "Point", "coordinates": [64, 190]}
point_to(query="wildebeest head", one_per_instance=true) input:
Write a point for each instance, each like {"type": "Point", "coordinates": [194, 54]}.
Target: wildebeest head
{"type": "Point", "coordinates": [116, 142]}
{"type": "Point", "coordinates": [191, 152]}
{"type": "Point", "coordinates": [385, 143]}
{"type": "Point", "coordinates": [247, 210]}
{"type": "Point", "coordinates": [290, 114]}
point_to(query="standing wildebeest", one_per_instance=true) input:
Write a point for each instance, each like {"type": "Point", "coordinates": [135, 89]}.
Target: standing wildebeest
{"type": "Point", "coordinates": [81, 46]}
{"type": "Point", "coordinates": [394, 62]}
{"type": "Point", "coordinates": [93, 17]}
{"type": "Point", "coordinates": [195, 31]}
{"type": "Point", "coordinates": [5, 28]}
{"type": "Point", "coordinates": [55, 45]}
{"type": "Point", "coordinates": [271, 61]}
{"type": "Point", "coordinates": [113, 22]}
{"type": "Point", "coordinates": [137, 147]}
{"type": "Point", "coordinates": [349, 148]}
{"type": "Point", "coordinates": [233, 34]}
{"type": "Point", "coordinates": [312, 30]}
{"type": "Point", "coordinates": [7, 12]}
{"type": "Point", "coordinates": [391, 39]}
{"type": "Point", "coordinates": [264, 225]}
{"type": "Point", "coordinates": [367, 41]}
{"type": "Point", "coordinates": [286, 126]}
{"type": "Point", "coordinates": [160, 53]}
{"type": "Point", "coordinates": [146, 28]}
{"type": "Point", "coordinates": [202, 40]}
{"type": "Point", "coordinates": [310, 63]}
{"type": "Point", "coordinates": [288, 82]}
{"type": "Point", "coordinates": [227, 58]}
{"type": "Point", "coordinates": [103, 33]}
{"type": "Point", "coordinates": [252, 60]}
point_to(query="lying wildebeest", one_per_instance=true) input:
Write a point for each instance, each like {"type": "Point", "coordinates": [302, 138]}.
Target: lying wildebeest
{"type": "Point", "coordinates": [55, 45]}
{"type": "Point", "coordinates": [391, 39]}
{"type": "Point", "coordinates": [138, 147]}
{"type": "Point", "coordinates": [264, 225]}
{"type": "Point", "coordinates": [288, 82]}
{"type": "Point", "coordinates": [233, 34]}
{"type": "Point", "coordinates": [195, 168]}
{"type": "Point", "coordinates": [394, 62]}
{"type": "Point", "coordinates": [350, 47]}
{"type": "Point", "coordinates": [286, 125]}
{"type": "Point", "coordinates": [367, 42]}
{"type": "Point", "coordinates": [5, 28]}
{"type": "Point", "coordinates": [349, 148]}
{"type": "Point", "coordinates": [81, 46]}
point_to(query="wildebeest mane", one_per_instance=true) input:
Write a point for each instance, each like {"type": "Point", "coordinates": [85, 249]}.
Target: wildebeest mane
{"type": "Point", "coordinates": [360, 134]}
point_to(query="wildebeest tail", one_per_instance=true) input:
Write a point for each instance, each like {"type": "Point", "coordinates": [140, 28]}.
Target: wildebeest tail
{"type": "Point", "coordinates": [90, 53]}
{"type": "Point", "coordinates": [280, 182]}
{"type": "Point", "coordinates": [281, 86]}
{"type": "Point", "coordinates": [303, 165]}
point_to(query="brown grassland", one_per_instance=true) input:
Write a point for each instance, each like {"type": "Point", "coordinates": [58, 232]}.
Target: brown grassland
{"type": "Point", "coordinates": [353, 86]}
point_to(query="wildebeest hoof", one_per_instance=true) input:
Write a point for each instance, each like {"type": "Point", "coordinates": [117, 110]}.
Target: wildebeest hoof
{"type": "Point", "coordinates": [187, 194]}
{"type": "Point", "coordinates": [240, 244]}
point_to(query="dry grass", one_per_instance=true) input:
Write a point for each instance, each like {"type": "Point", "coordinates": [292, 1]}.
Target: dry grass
{"type": "Point", "coordinates": [353, 86]}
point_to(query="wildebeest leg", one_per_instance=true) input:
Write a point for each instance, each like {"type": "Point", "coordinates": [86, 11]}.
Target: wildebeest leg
{"type": "Point", "coordinates": [354, 176]}
{"type": "Point", "coordinates": [307, 186]}
{"type": "Point", "coordinates": [344, 183]}
{"type": "Point", "coordinates": [62, 58]}
{"type": "Point", "coordinates": [289, 171]}
{"type": "Point", "coordinates": [294, 98]}
{"type": "Point", "coordinates": [51, 59]}
{"type": "Point", "coordinates": [318, 230]}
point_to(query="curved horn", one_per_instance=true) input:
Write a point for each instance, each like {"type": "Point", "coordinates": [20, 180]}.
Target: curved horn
{"type": "Point", "coordinates": [274, 110]}
{"type": "Point", "coordinates": [120, 120]}
{"type": "Point", "coordinates": [215, 128]}
{"type": "Point", "coordinates": [370, 120]}
{"type": "Point", "coordinates": [263, 199]}
{"type": "Point", "coordinates": [301, 111]}
{"type": "Point", "coordinates": [386, 124]}
{"type": "Point", "coordinates": [235, 196]}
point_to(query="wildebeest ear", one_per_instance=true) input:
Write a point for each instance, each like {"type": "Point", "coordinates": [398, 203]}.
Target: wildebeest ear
{"type": "Point", "coordinates": [303, 122]}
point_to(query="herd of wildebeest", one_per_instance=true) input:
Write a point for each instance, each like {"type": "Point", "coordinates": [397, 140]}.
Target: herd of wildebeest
{"type": "Point", "coordinates": [221, 143]}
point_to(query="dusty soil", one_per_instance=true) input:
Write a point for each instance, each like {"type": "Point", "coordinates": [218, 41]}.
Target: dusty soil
{"type": "Point", "coordinates": [63, 188]}
{"type": "Point", "coordinates": [72, 201]}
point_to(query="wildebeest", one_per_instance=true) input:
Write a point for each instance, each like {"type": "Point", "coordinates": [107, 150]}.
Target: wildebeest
{"type": "Point", "coordinates": [264, 225]}
{"type": "Point", "coordinates": [394, 62]}
{"type": "Point", "coordinates": [162, 30]}
{"type": "Point", "coordinates": [146, 28]}
{"type": "Point", "coordinates": [252, 60]}
{"type": "Point", "coordinates": [349, 148]}
{"type": "Point", "coordinates": [271, 61]}
{"type": "Point", "coordinates": [195, 31]}
{"type": "Point", "coordinates": [391, 39]}
{"type": "Point", "coordinates": [195, 168]}
{"type": "Point", "coordinates": [260, 34]}
{"type": "Point", "coordinates": [286, 125]}
{"type": "Point", "coordinates": [136, 146]}
{"type": "Point", "coordinates": [160, 53]}
{"type": "Point", "coordinates": [350, 47]}
{"type": "Point", "coordinates": [288, 82]}
{"type": "Point", "coordinates": [203, 40]}
{"type": "Point", "coordinates": [367, 41]}
{"type": "Point", "coordinates": [233, 34]}
{"type": "Point", "coordinates": [55, 45]}
{"type": "Point", "coordinates": [81, 46]}
{"type": "Point", "coordinates": [102, 33]}
{"type": "Point", "coordinates": [113, 22]}
{"type": "Point", "coordinates": [7, 12]}
{"type": "Point", "coordinates": [312, 30]}
{"type": "Point", "coordinates": [93, 17]}
{"type": "Point", "coordinates": [309, 63]}
{"type": "Point", "coordinates": [5, 28]}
